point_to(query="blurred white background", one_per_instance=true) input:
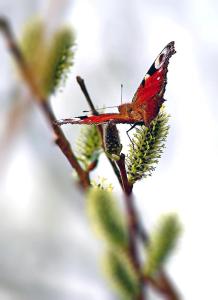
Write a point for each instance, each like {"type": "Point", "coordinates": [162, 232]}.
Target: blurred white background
{"type": "Point", "coordinates": [47, 250]}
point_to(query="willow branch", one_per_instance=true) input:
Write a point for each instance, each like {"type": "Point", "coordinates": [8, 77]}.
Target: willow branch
{"type": "Point", "coordinates": [162, 283]}
{"type": "Point", "coordinates": [28, 76]}
{"type": "Point", "coordinates": [163, 286]}
{"type": "Point", "coordinates": [131, 219]}
{"type": "Point", "coordinates": [131, 214]}
{"type": "Point", "coordinates": [82, 85]}
{"type": "Point", "coordinates": [167, 286]}
{"type": "Point", "coordinates": [127, 187]}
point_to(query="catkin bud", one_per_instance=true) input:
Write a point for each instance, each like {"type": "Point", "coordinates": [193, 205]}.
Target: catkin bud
{"type": "Point", "coordinates": [112, 143]}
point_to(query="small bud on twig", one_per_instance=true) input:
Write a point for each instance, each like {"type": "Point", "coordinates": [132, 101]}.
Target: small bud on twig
{"type": "Point", "coordinates": [112, 143]}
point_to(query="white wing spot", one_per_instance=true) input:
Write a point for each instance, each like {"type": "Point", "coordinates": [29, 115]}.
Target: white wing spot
{"type": "Point", "coordinates": [161, 59]}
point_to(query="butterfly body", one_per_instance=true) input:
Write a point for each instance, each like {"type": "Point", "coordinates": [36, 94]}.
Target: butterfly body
{"type": "Point", "coordinates": [146, 102]}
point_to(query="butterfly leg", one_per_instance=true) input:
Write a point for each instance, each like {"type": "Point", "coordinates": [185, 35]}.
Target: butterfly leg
{"type": "Point", "coordinates": [127, 132]}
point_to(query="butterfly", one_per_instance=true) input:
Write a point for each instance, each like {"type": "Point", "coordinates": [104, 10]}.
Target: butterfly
{"type": "Point", "coordinates": [146, 102]}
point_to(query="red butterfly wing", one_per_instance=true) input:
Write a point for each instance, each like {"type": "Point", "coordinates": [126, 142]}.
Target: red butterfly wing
{"type": "Point", "coordinates": [99, 119]}
{"type": "Point", "coordinates": [154, 82]}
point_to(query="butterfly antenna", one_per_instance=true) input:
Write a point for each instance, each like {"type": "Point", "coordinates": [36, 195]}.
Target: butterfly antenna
{"type": "Point", "coordinates": [85, 111]}
{"type": "Point", "coordinates": [121, 87]}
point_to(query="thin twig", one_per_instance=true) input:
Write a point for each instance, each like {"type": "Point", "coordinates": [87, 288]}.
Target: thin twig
{"type": "Point", "coordinates": [29, 78]}
{"type": "Point", "coordinates": [64, 145]}
{"type": "Point", "coordinates": [127, 187]}
{"type": "Point", "coordinates": [82, 85]}
{"type": "Point", "coordinates": [162, 283]}
{"type": "Point", "coordinates": [131, 214]}
{"type": "Point", "coordinates": [163, 286]}
{"type": "Point", "coordinates": [131, 220]}
{"type": "Point", "coordinates": [169, 288]}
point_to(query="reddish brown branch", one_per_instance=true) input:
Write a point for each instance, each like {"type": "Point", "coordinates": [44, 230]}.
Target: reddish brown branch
{"type": "Point", "coordinates": [82, 85]}
{"type": "Point", "coordinates": [127, 187]}
{"type": "Point", "coordinates": [162, 283]}
{"type": "Point", "coordinates": [64, 145]}
{"type": "Point", "coordinates": [167, 286]}
{"type": "Point", "coordinates": [28, 77]}
{"type": "Point", "coordinates": [163, 286]}
{"type": "Point", "coordinates": [131, 220]}
{"type": "Point", "coordinates": [131, 213]}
